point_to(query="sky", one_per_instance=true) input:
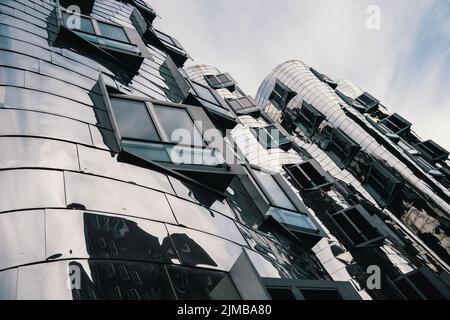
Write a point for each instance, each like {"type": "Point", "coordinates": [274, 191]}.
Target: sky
{"type": "Point", "coordinates": [405, 63]}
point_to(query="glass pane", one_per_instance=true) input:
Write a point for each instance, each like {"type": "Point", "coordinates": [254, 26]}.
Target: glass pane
{"type": "Point", "coordinates": [83, 24]}
{"type": "Point", "coordinates": [281, 294]}
{"type": "Point", "coordinates": [274, 190]}
{"type": "Point", "coordinates": [204, 93]}
{"type": "Point", "coordinates": [173, 119]}
{"type": "Point", "coordinates": [113, 32]}
{"type": "Point", "coordinates": [133, 120]}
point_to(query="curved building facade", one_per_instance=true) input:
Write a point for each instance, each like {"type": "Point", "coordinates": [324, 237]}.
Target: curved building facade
{"type": "Point", "coordinates": [125, 174]}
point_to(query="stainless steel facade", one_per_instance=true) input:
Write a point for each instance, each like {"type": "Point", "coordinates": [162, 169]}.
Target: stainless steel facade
{"type": "Point", "coordinates": [93, 204]}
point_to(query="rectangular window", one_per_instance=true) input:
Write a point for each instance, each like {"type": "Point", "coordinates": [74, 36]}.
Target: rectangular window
{"type": "Point", "coordinates": [421, 284]}
{"type": "Point", "coordinates": [290, 289]}
{"type": "Point", "coordinates": [243, 106]}
{"type": "Point", "coordinates": [432, 152]}
{"type": "Point", "coordinates": [356, 224]}
{"type": "Point", "coordinates": [108, 30]}
{"type": "Point", "coordinates": [308, 119]}
{"type": "Point", "coordinates": [221, 81]}
{"type": "Point", "coordinates": [381, 184]}
{"type": "Point", "coordinates": [369, 102]}
{"type": "Point", "coordinates": [209, 100]}
{"type": "Point", "coordinates": [396, 124]}
{"type": "Point", "coordinates": [281, 95]}
{"type": "Point", "coordinates": [134, 120]}
{"type": "Point", "coordinates": [341, 149]}
{"type": "Point", "coordinates": [270, 137]}
{"type": "Point", "coordinates": [169, 44]}
{"type": "Point", "coordinates": [308, 175]}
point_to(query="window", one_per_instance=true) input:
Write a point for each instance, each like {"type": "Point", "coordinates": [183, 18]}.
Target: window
{"type": "Point", "coordinates": [432, 152]}
{"type": "Point", "coordinates": [147, 129]}
{"type": "Point", "coordinates": [221, 81]}
{"type": "Point", "coordinates": [358, 226]}
{"type": "Point", "coordinates": [341, 148]}
{"type": "Point", "coordinates": [308, 119]}
{"type": "Point", "coordinates": [351, 102]}
{"type": "Point", "coordinates": [243, 106]}
{"type": "Point", "coordinates": [324, 78]}
{"type": "Point", "coordinates": [115, 44]}
{"type": "Point", "coordinates": [308, 175]}
{"type": "Point", "coordinates": [421, 284]}
{"type": "Point", "coordinates": [173, 119]}
{"type": "Point", "coordinates": [396, 124]}
{"type": "Point", "coordinates": [168, 44]}
{"type": "Point", "coordinates": [381, 184]}
{"type": "Point", "coordinates": [281, 95]}
{"type": "Point", "coordinates": [370, 103]}
{"type": "Point", "coordinates": [270, 137]}
{"type": "Point", "coordinates": [290, 289]}
{"type": "Point", "coordinates": [209, 100]}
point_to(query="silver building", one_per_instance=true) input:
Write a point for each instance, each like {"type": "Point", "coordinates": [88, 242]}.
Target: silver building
{"type": "Point", "coordinates": [127, 174]}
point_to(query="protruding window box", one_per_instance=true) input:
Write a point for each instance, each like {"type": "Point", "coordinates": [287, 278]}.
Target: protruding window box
{"type": "Point", "coordinates": [352, 103]}
{"type": "Point", "coordinates": [113, 43]}
{"type": "Point", "coordinates": [381, 184]}
{"type": "Point", "coordinates": [281, 95]}
{"type": "Point", "coordinates": [168, 44]}
{"type": "Point", "coordinates": [395, 124]}
{"type": "Point", "coordinates": [212, 102]}
{"type": "Point", "coordinates": [324, 78]}
{"type": "Point", "coordinates": [309, 175]}
{"type": "Point", "coordinates": [221, 81]}
{"type": "Point", "coordinates": [369, 103]}
{"type": "Point", "coordinates": [171, 135]}
{"type": "Point", "coordinates": [244, 106]}
{"type": "Point", "coordinates": [271, 137]}
{"type": "Point", "coordinates": [420, 284]}
{"type": "Point", "coordinates": [340, 148]}
{"type": "Point", "coordinates": [358, 226]}
{"type": "Point", "coordinates": [315, 290]}
{"type": "Point", "coordinates": [145, 10]}
{"type": "Point", "coordinates": [432, 152]}
{"type": "Point", "coordinates": [279, 201]}
{"type": "Point", "coordinates": [308, 119]}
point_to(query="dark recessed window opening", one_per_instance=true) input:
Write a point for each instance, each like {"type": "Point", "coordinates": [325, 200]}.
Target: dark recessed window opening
{"type": "Point", "coordinates": [85, 6]}
{"type": "Point", "coordinates": [281, 95]}
{"type": "Point", "coordinates": [308, 119]}
{"type": "Point", "coordinates": [321, 295]}
{"type": "Point", "coordinates": [221, 81]}
{"type": "Point", "coordinates": [243, 106]}
{"type": "Point", "coordinates": [308, 175]}
{"type": "Point", "coordinates": [381, 184]}
{"type": "Point", "coordinates": [396, 124]}
{"type": "Point", "coordinates": [369, 102]}
{"type": "Point", "coordinates": [322, 77]}
{"type": "Point", "coordinates": [355, 223]}
{"type": "Point", "coordinates": [271, 137]}
{"type": "Point", "coordinates": [432, 152]}
{"type": "Point", "coordinates": [341, 148]}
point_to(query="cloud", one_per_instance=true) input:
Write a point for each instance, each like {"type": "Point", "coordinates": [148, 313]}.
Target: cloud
{"type": "Point", "coordinates": [406, 64]}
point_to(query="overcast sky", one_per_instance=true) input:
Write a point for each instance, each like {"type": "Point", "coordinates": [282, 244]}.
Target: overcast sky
{"type": "Point", "coordinates": [405, 64]}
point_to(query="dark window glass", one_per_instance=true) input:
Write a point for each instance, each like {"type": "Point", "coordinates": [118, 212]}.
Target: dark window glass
{"type": "Point", "coordinates": [308, 119]}
{"type": "Point", "coordinates": [426, 287]}
{"type": "Point", "coordinates": [270, 137]}
{"type": "Point", "coordinates": [134, 120]}
{"type": "Point", "coordinates": [113, 32]}
{"type": "Point", "coordinates": [175, 118]}
{"type": "Point", "coordinates": [431, 151]}
{"type": "Point", "coordinates": [381, 184]}
{"type": "Point", "coordinates": [312, 294]}
{"type": "Point", "coordinates": [274, 190]}
{"type": "Point", "coordinates": [281, 294]}
{"type": "Point", "coordinates": [408, 291]}
{"type": "Point", "coordinates": [368, 101]}
{"type": "Point", "coordinates": [281, 95]}
{"type": "Point", "coordinates": [348, 229]}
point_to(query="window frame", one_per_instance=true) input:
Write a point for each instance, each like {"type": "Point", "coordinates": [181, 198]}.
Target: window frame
{"type": "Point", "coordinates": [424, 149]}
{"type": "Point", "coordinates": [344, 289]}
{"type": "Point", "coordinates": [325, 175]}
{"type": "Point", "coordinates": [229, 84]}
{"type": "Point", "coordinates": [253, 110]}
{"type": "Point", "coordinates": [367, 217]}
{"type": "Point", "coordinates": [353, 148]}
{"type": "Point", "coordinates": [286, 145]}
{"type": "Point", "coordinates": [376, 165]}
{"type": "Point", "coordinates": [368, 108]}
{"type": "Point", "coordinates": [284, 97]}
{"type": "Point", "coordinates": [396, 117]}
{"type": "Point", "coordinates": [319, 118]}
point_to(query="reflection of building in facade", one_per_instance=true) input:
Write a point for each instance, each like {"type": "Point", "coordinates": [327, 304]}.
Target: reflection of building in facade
{"type": "Point", "coordinates": [95, 204]}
